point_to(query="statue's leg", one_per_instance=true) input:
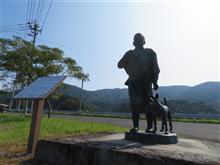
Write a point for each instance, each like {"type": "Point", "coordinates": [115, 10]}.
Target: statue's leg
{"type": "Point", "coordinates": [148, 115]}
{"type": "Point", "coordinates": [148, 110]}
{"type": "Point", "coordinates": [133, 108]}
{"type": "Point", "coordinates": [135, 118]}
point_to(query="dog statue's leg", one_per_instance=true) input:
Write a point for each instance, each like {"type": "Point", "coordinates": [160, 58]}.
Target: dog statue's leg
{"type": "Point", "coordinates": [170, 122]}
{"type": "Point", "coordinates": [162, 125]}
{"type": "Point", "coordinates": [155, 123]}
{"type": "Point", "coordinates": [165, 122]}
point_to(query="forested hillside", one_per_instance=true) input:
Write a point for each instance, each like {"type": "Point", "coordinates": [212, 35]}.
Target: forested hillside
{"type": "Point", "coordinates": [202, 98]}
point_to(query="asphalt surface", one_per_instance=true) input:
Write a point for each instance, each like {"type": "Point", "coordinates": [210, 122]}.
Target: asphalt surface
{"type": "Point", "coordinates": [186, 130]}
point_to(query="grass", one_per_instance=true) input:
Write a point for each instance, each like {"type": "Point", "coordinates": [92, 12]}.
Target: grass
{"type": "Point", "coordinates": [16, 127]}
{"type": "Point", "coordinates": [14, 130]}
{"type": "Point", "coordinates": [190, 120]}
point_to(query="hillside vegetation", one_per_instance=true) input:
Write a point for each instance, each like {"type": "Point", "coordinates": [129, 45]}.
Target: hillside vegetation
{"type": "Point", "coordinates": [200, 99]}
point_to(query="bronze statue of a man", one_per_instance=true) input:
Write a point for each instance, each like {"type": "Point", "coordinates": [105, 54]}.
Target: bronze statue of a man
{"type": "Point", "coordinates": [142, 68]}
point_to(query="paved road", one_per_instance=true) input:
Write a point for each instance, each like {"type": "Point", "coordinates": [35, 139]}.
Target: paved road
{"type": "Point", "coordinates": [189, 130]}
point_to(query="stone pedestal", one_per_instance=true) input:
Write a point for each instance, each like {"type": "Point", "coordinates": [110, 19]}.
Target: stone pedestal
{"type": "Point", "coordinates": [152, 138]}
{"type": "Point", "coordinates": [115, 150]}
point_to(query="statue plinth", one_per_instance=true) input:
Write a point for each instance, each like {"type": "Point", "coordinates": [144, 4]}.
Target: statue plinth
{"type": "Point", "coordinates": [152, 138]}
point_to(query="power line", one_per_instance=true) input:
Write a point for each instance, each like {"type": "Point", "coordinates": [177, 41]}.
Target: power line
{"type": "Point", "coordinates": [30, 12]}
{"type": "Point", "coordinates": [47, 13]}
{"type": "Point", "coordinates": [11, 26]}
{"type": "Point", "coordinates": [16, 28]}
{"type": "Point", "coordinates": [56, 43]}
{"type": "Point", "coordinates": [10, 31]}
{"type": "Point", "coordinates": [25, 35]}
{"type": "Point", "coordinates": [41, 10]}
{"type": "Point", "coordinates": [33, 12]}
{"type": "Point", "coordinates": [38, 9]}
{"type": "Point", "coordinates": [33, 17]}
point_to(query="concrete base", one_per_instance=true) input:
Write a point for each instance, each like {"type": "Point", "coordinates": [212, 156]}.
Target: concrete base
{"type": "Point", "coordinates": [114, 150]}
{"type": "Point", "coordinates": [152, 138]}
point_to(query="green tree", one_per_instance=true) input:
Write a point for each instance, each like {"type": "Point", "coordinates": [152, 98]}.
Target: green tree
{"type": "Point", "coordinates": [22, 62]}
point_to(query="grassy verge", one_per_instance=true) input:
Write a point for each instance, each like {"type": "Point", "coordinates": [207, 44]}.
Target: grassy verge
{"type": "Point", "coordinates": [14, 130]}
{"type": "Point", "coordinates": [208, 121]}
{"type": "Point", "coordinates": [16, 127]}
{"type": "Point", "coordinates": [175, 119]}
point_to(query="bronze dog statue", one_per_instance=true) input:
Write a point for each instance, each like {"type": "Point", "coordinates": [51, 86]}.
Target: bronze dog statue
{"type": "Point", "coordinates": [161, 111]}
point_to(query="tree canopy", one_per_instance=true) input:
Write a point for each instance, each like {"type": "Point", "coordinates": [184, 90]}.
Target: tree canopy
{"type": "Point", "coordinates": [22, 62]}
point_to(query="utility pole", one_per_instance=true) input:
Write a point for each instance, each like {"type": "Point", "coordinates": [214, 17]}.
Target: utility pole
{"type": "Point", "coordinates": [34, 31]}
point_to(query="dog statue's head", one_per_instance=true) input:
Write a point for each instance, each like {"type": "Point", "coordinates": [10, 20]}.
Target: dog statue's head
{"type": "Point", "coordinates": [154, 100]}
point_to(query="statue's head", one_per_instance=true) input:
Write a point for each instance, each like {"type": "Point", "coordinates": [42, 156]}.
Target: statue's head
{"type": "Point", "coordinates": [139, 40]}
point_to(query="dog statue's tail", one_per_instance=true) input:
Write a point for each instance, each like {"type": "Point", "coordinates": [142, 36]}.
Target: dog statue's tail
{"type": "Point", "coordinates": [165, 101]}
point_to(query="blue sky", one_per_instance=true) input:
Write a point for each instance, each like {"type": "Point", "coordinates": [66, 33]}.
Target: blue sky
{"type": "Point", "coordinates": [97, 34]}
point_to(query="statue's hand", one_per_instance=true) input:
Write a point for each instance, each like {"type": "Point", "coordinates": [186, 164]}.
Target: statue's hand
{"type": "Point", "coordinates": [156, 86]}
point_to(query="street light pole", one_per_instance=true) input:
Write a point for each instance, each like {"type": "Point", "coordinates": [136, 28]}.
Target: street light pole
{"type": "Point", "coordinates": [81, 96]}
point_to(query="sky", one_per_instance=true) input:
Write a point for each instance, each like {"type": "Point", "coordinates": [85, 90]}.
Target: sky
{"type": "Point", "coordinates": [183, 33]}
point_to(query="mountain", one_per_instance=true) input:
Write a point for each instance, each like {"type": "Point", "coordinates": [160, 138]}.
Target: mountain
{"type": "Point", "coordinates": [201, 98]}
{"type": "Point", "coordinates": [207, 93]}
{"type": "Point", "coordinates": [172, 92]}
{"type": "Point", "coordinates": [101, 100]}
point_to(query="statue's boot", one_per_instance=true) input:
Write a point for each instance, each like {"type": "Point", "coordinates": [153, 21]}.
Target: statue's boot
{"type": "Point", "coordinates": [135, 129]}
{"type": "Point", "coordinates": [135, 119]}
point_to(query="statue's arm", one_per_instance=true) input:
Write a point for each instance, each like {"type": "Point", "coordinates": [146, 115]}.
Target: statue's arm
{"type": "Point", "coordinates": [123, 61]}
{"type": "Point", "coordinates": [155, 68]}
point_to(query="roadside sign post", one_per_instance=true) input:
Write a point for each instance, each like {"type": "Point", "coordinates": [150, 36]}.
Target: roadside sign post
{"type": "Point", "coordinates": [38, 91]}
{"type": "Point", "coordinates": [35, 125]}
